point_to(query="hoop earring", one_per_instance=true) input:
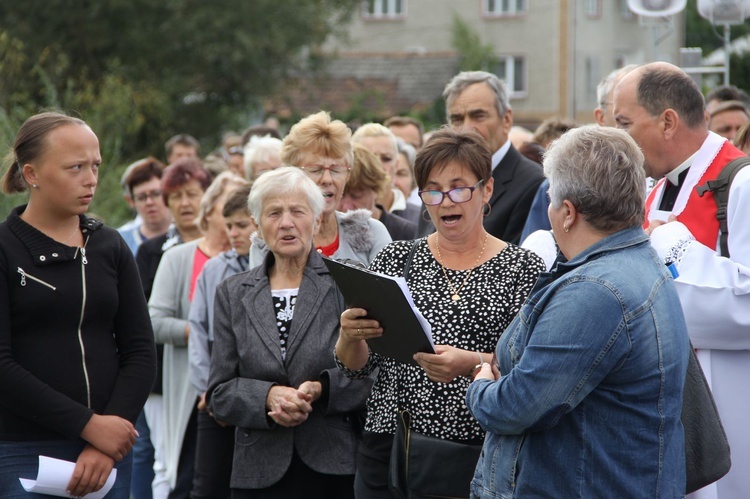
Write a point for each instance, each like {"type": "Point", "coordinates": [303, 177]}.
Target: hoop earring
{"type": "Point", "coordinates": [566, 229]}
{"type": "Point", "coordinates": [486, 213]}
{"type": "Point", "coordinates": [427, 217]}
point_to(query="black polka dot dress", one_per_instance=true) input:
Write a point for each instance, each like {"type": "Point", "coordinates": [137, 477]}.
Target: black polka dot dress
{"type": "Point", "coordinates": [490, 299]}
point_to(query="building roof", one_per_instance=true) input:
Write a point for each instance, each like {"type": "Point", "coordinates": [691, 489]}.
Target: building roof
{"type": "Point", "coordinates": [369, 85]}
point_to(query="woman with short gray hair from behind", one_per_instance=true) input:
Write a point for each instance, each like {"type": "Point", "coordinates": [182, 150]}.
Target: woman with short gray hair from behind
{"type": "Point", "coordinates": [601, 342]}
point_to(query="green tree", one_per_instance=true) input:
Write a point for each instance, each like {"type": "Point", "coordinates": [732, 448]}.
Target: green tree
{"type": "Point", "coordinates": [475, 56]}
{"type": "Point", "coordinates": [699, 32]}
{"type": "Point", "coordinates": [141, 70]}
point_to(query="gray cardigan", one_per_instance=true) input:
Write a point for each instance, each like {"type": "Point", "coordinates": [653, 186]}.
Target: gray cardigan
{"type": "Point", "coordinates": [201, 315]}
{"type": "Point", "coordinates": [246, 362]}
{"type": "Point", "coordinates": [169, 306]}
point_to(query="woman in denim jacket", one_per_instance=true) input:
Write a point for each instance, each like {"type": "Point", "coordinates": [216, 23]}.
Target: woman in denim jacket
{"type": "Point", "coordinates": [588, 396]}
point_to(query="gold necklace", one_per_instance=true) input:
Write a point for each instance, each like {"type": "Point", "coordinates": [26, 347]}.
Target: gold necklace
{"type": "Point", "coordinates": [455, 296]}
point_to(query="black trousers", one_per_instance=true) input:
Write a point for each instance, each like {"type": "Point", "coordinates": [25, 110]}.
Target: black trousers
{"type": "Point", "coordinates": [214, 454]}
{"type": "Point", "coordinates": [302, 482]}
{"type": "Point", "coordinates": [373, 459]}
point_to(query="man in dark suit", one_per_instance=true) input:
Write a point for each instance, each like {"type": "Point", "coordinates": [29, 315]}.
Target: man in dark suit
{"type": "Point", "coordinates": [478, 100]}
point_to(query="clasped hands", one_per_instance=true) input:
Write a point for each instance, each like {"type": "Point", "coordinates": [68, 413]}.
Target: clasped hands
{"type": "Point", "coordinates": [289, 406]}
{"type": "Point", "coordinates": [109, 438]}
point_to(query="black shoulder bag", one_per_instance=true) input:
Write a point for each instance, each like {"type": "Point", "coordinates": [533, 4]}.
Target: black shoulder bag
{"type": "Point", "coordinates": [707, 456]}
{"type": "Point", "coordinates": [423, 466]}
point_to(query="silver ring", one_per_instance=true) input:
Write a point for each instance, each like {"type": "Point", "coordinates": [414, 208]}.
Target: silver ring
{"type": "Point", "coordinates": [359, 331]}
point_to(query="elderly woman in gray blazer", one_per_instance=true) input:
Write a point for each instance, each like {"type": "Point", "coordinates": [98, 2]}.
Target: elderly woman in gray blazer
{"type": "Point", "coordinates": [272, 371]}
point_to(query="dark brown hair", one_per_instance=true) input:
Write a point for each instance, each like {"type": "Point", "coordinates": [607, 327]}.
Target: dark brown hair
{"type": "Point", "coordinates": [30, 144]}
{"type": "Point", "coordinates": [237, 201]}
{"type": "Point", "coordinates": [533, 151]}
{"type": "Point", "coordinates": [465, 147]}
{"type": "Point", "coordinates": [142, 171]}
{"type": "Point", "coordinates": [659, 90]}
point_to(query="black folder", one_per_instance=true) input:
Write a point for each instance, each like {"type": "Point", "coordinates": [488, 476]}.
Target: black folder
{"type": "Point", "coordinates": [384, 300]}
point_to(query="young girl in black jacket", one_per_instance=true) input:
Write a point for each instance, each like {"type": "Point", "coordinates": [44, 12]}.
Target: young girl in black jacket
{"type": "Point", "coordinates": [76, 345]}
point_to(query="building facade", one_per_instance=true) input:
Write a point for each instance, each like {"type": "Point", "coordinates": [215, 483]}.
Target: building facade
{"type": "Point", "coordinates": [551, 53]}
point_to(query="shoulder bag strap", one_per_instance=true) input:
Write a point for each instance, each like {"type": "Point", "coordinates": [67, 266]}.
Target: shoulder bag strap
{"type": "Point", "coordinates": [407, 265]}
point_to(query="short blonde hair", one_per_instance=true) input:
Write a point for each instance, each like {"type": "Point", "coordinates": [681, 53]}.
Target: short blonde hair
{"type": "Point", "coordinates": [367, 172]}
{"type": "Point", "coordinates": [317, 134]}
{"type": "Point", "coordinates": [374, 130]}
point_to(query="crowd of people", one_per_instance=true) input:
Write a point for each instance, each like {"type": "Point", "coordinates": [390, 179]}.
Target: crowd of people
{"type": "Point", "coordinates": [206, 351]}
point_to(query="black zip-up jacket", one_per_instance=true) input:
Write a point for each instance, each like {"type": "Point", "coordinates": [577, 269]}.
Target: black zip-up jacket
{"type": "Point", "coordinates": [75, 334]}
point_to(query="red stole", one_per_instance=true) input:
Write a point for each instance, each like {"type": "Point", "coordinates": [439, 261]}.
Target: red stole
{"type": "Point", "coordinates": [699, 215]}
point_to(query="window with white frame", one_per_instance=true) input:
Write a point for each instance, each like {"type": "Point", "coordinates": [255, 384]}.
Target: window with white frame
{"type": "Point", "coordinates": [505, 7]}
{"type": "Point", "coordinates": [592, 8]}
{"type": "Point", "coordinates": [383, 9]}
{"type": "Point", "coordinates": [512, 70]}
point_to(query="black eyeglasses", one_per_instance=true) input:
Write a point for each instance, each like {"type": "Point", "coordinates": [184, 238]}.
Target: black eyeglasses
{"type": "Point", "coordinates": [457, 195]}
{"type": "Point", "coordinates": [145, 196]}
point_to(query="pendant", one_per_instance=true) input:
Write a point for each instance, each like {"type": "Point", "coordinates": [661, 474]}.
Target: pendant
{"type": "Point", "coordinates": [455, 297]}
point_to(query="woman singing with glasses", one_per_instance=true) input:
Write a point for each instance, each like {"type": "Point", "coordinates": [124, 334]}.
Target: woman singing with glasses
{"type": "Point", "coordinates": [468, 284]}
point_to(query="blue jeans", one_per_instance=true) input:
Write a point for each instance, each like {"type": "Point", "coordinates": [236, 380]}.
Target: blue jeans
{"type": "Point", "coordinates": [143, 461]}
{"type": "Point", "coordinates": [21, 460]}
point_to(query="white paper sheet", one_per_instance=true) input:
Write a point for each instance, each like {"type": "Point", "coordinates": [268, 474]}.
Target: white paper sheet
{"type": "Point", "coordinates": [54, 476]}
{"type": "Point", "coordinates": [422, 321]}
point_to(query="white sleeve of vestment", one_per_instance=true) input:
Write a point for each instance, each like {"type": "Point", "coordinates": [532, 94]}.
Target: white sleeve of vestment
{"type": "Point", "coordinates": [715, 291]}
{"type": "Point", "coordinates": [542, 242]}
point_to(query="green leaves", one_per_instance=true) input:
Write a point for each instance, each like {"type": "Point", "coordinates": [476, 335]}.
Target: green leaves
{"type": "Point", "coordinates": [475, 56]}
{"type": "Point", "coordinates": [139, 71]}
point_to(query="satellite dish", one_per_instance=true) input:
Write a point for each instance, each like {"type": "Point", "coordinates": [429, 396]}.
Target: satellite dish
{"type": "Point", "coordinates": [724, 11]}
{"type": "Point", "coordinates": [657, 8]}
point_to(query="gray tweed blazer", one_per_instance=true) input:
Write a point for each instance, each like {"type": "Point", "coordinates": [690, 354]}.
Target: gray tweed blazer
{"type": "Point", "coordinates": [246, 361]}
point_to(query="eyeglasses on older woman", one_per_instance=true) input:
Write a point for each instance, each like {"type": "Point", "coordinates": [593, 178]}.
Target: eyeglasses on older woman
{"type": "Point", "coordinates": [316, 171]}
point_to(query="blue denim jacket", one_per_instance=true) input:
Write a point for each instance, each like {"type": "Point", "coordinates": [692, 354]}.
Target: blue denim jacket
{"type": "Point", "coordinates": [593, 367]}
